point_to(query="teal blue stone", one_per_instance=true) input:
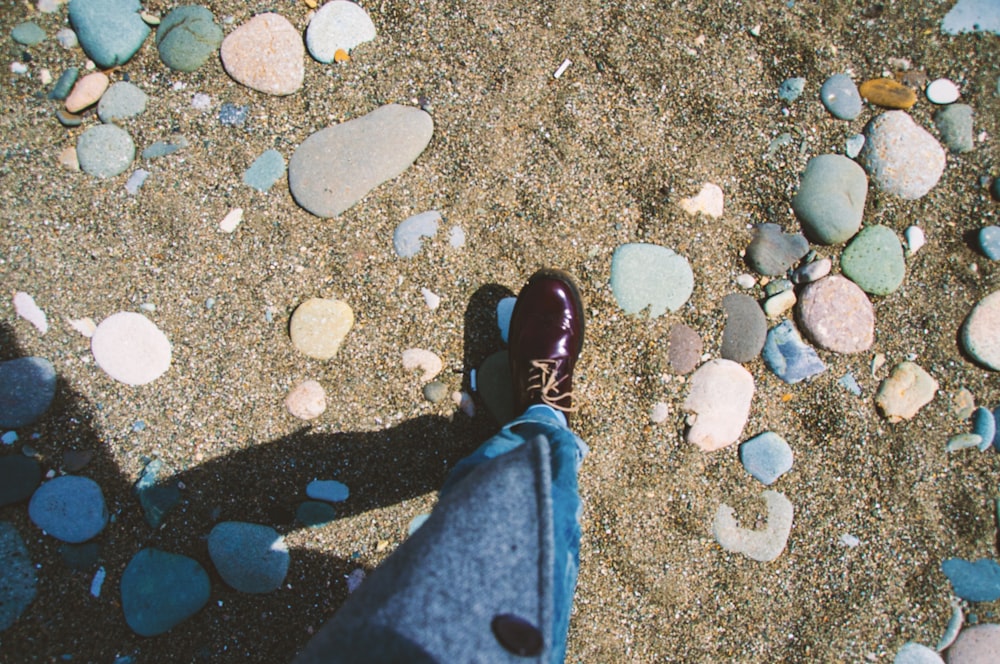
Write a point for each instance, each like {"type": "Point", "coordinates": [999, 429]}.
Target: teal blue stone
{"type": "Point", "coordinates": [266, 170]}
{"type": "Point", "coordinates": [27, 33]}
{"type": "Point", "coordinates": [187, 37]}
{"type": "Point", "coordinates": [989, 242]}
{"type": "Point", "coordinates": [831, 198]}
{"type": "Point", "coordinates": [110, 31]}
{"type": "Point", "coordinates": [18, 580]}
{"type": "Point", "coordinates": [973, 582]}
{"type": "Point", "coordinates": [874, 260]}
{"type": "Point", "coordinates": [315, 514]}
{"type": "Point", "coordinates": [163, 148]}
{"type": "Point", "coordinates": [648, 276]}
{"type": "Point", "coordinates": [161, 590]}
{"type": "Point", "coordinates": [64, 84]}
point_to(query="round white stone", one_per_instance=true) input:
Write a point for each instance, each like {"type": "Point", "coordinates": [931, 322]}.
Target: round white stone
{"type": "Point", "coordinates": [306, 401]}
{"type": "Point", "coordinates": [319, 326]}
{"type": "Point", "coordinates": [130, 348]}
{"type": "Point", "coordinates": [338, 25]}
{"type": "Point", "coordinates": [718, 404]}
{"type": "Point", "coordinates": [942, 91]}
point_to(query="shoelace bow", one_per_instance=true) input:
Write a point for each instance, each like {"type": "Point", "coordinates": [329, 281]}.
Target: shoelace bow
{"type": "Point", "coordinates": [545, 382]}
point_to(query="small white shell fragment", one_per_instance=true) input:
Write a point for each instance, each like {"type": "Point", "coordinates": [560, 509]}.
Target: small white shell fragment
{"type": "Point", "coordinates": [45, 76]}
{"type": "Point", "coordinates": [562, 68]}
{"type": "Point", "coordinates": [419, 358]}
{"type": "Point", "coordinates": [149, 18]}
{"type": "Point", "coordinates": [915, 239]}
{"type": "Point", "coordinates": [942, 91]}
{"type": "Point", "coordinates": [26, 308]}
{"type": "Point", "coordinates": [710, 201]}
{"type": "Point", "coordinates": [878, 362]}
{"type": "Point", "coordinates": [84, 326]}
{"type": "Point", "coordinates": [760, 545]}
{"type": "Point", "coordinates": [231, 220]}
{"type": "Point", "coordinates": [746, 281]}
{"type": "Point", "coordinates": [465, 402]}
{"type": "Point", "coordinates": [661, 412]}
{"type": "Point", "coordinates": [431, 299]}
{"type": "Point", "coordinates": [848, 540]}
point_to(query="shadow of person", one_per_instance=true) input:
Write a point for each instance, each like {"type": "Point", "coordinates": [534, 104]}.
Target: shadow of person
{"type": "Point", "coordinates": [261, 484]}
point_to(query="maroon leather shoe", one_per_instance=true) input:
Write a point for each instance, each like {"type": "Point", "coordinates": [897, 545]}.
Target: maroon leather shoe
{"type": "Point", "coordinates": [546, 336]}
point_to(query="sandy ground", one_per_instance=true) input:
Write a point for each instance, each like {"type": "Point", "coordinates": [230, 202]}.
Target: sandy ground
{"type": "Point", "coordinates": [660, 98]}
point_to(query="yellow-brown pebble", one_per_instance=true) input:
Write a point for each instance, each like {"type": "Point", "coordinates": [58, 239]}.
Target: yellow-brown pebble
{"type": "Point", "coordinates": [887, 93]}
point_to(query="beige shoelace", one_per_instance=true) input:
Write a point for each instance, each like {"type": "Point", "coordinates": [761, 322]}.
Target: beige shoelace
{"type": "Point", "coordinates": [544, 380]}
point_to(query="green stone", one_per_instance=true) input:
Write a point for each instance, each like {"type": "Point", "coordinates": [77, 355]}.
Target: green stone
{"type": "Point", "coordinates": [874, 260]}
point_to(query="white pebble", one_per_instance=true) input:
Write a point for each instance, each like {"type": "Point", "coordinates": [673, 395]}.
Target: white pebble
{"type": "Point", "coordinates": [709, 201]}
{"type": "Point", "coordinates": [746, 281]}
{"type": "Point", "coordinates": [18, 68]}
{"type": "Point", "coordinates": [942, 91]}
{"type": "Point", "coordinates": [464, 402]}
{"type": "Point", "coordinates": [661, 412]}
{"type": "Point", "coordinates": [48, 6]}
{"type": "Point", "coordinates": [201, 101]}
{"type": "Point", "coordinates": [67, 38]}
{"type": "Point", "coordinates": [84, 326]}
{"type": "Point", "coordinates": [231, 220]}
{"type": "Point", "coordinates": [850, 541]}
{"type": "Point", "coordinates": [431, 299]}
{"type": "Point", "coordinates": [915, 239]}
{"type": "Point", "coordinates": [456, 237]}
{"type": "Point", "coordinates": [428, 362]}
{"type": "Point", "coordinates": [130, 348]}
{"type": "Point", "coordinates": [306, 401]}
{"type": "Point", "coordinates": [45, 76]}
{"type": "Point", "coordinates": [26, 308]}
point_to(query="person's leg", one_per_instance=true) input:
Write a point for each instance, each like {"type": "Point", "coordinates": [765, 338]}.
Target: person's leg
{"type": "Point", "coordinates": [567, 451]}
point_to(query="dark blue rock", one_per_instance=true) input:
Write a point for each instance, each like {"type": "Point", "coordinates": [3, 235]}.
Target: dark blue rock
{"type": "Point", "coordinates": [110, 31]}
{"type": "Point", "coordinates": [160, 590]}
{"type": "Point", "coordinates": [17, 576]}
{"type": "Point", "coordinates": [790, 358]}
{"type": "Point", "coordinates": [187, 37]}
{"type": "Point", "coordinates": [19, 477]}
{"type": "Point", "coordinates": [772, 252]}
{"type": "Point", "coordinates": [265, 171]}
{"type": "Point", "coordinates": [790, 89]}
{"type": "Point", "coordinates": [155, 497]}
{"type": "Point", "coordinates": [767, 457]}
{"type": "Point", "coordinates": [973, 582]}
{"type": "Point", "coordinates": [989, 242]}
{"type": "Point", "coordinates": [69, 508]}
{"type": "Point", "coordinates": [27, 386]}
{"type": "Point", "coordinates": [315, 514]}
{"type": "Point", "coordinates": [954, 123]}
{"type": "Point", "coordinates": [841, 97]}
{"type": "Point", "coordinates": [995, 189]}
{"type": "Point", "coordinates": [249, 557]}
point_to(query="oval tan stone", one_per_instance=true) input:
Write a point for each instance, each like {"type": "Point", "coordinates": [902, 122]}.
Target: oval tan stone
{"type": "Point", "coordinates": [266, 54]}
{"type": "Point", "coordinates": [319, 327]}
{"type": "Point", "coordinates": [979, 332]}
{"type": "Point", "coordinates": [87, 92]}
{"type": "Point", "coordinates": [888, 93]}
{"type": "Point", "coordinates": [907, 389]}
{"type": "Point", "coordinates": [836, 315]}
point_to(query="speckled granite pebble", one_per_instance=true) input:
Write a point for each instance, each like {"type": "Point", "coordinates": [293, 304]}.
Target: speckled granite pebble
{"type": "Point", "coordinates": [265, 54]}
{"type": "Point", "coordinates": [837, 315]}
{"type": "Point", "coordinates": [69, 508]}
{"type": "Point", "coordinates": [306, 401]}
{"type": "Point", "coordinates": [187, 37]}
{"type": "Point", "coordinates": [979, 332]}
{"type": "Point", "coordinates": [978, 644]}
{"type": "Point", "coordinates": [902, 158]}
{"type": "Point", "coordinates": [989, 242]}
